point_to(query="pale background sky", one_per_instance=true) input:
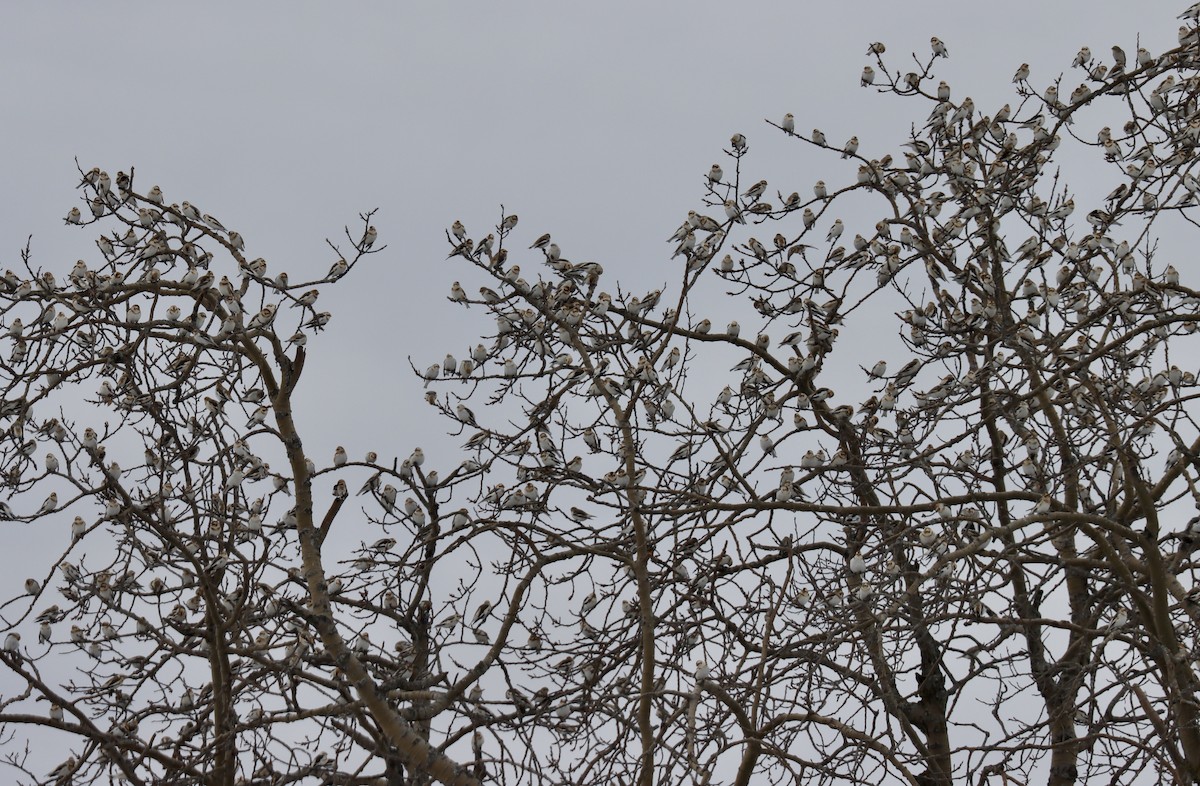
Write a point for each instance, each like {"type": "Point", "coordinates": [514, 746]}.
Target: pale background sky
{"type": "Point", "coordinates": [595, 122]}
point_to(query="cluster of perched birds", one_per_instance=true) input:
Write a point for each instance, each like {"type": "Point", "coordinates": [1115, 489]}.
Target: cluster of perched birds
{"type": "Point", "coordinates": [155, 282]}
{"type": "Point", "coordinates": [1070, 319]}
{"type": "Point", "coordinates": [160, 332]}
{"type": "Point", "coordinates": [989, 169]}
{"type": "Point", "coordinates": [156, 325]}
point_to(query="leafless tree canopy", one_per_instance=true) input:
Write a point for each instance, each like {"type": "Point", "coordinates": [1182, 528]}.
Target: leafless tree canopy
{"type": "Point", "coordinates": [924, 513]}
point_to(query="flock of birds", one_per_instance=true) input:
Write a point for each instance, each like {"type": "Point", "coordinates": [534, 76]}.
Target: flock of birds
{"type": "Point", "coordinates": [613, 349]}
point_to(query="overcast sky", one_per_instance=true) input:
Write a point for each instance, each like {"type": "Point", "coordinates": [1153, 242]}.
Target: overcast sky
{"type": "Point", "coordinates": [595, 122]}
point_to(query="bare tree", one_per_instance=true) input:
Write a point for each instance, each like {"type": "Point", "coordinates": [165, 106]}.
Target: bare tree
{"type": "Point", "coordinates": [208, 639]}
{"type": "Point", "coordinates": [970, 562]}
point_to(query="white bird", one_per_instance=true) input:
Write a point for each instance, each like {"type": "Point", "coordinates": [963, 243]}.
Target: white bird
{"type": "Point", "coordinates": [835, 231]}
{"type": "Point", "coordinates": [12, 642]}
{"type": "Point", "coordinates": [858, 564]}
{"type": "Point", "coordinates": [682, 452]}
{"type": "Point", "coordinates": [368, 238]}
{"type": "Point", "coordinates": [389, 497]}
{"type": "Point", "coordinates": [767, 444]}
{"type": "Point", "coordinates": [319, 321]}
{"type": "Point", "coordinates": [307, 299]}
{"type": "Point", "coordinates": [337, 270]}
{"type": "Point", "coordinates": [60, 773]}
{"type": "Point", "coordinates": [939, 48]}
{"type": "Point", "coordinates": [481, 612]}
{"type": "Point", "coordinates": [50, 505]}
{"type": "Point", "coordinates": [789, 123]}
{"type": "Point", "coordinates": [756, 191]}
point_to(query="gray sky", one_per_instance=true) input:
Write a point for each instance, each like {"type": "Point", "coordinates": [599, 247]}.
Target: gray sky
{"type": "Point", "coordinates": [595, 122]}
